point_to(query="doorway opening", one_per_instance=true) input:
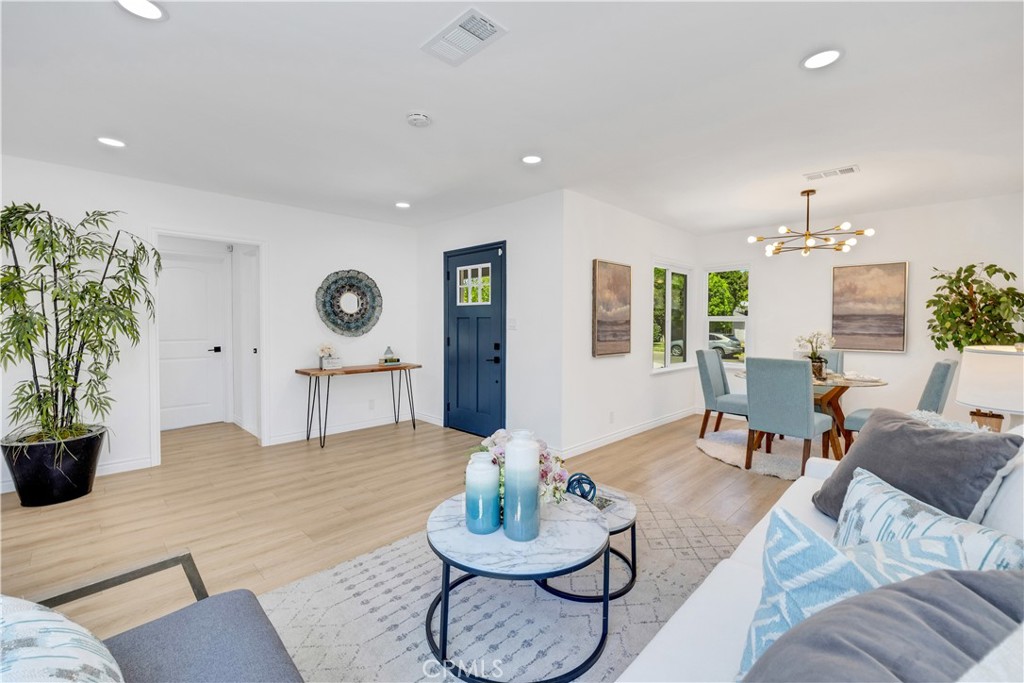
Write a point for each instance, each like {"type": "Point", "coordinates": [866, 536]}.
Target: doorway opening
{"type": "Point", "coordinates": [208, 313]}
{"type": "Point", "coordinates": [475, 349]}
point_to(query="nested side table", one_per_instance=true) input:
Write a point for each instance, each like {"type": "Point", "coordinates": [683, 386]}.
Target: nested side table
{"type": "Point", "coordinates": [620, 514]}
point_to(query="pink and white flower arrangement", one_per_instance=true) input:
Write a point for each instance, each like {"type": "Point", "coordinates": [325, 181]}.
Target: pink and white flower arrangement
{"type": "Point", "coordinates": [553, 476]}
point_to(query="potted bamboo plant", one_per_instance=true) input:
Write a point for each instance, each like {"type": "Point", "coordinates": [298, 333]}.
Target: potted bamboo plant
{"type": "Point", "coordinates": [70, 295]}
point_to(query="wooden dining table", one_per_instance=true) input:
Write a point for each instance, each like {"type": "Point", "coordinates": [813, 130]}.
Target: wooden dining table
{"type": "Point", "coordinates": [835, 386]}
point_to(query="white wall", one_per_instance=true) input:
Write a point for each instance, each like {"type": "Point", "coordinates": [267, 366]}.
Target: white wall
{"type": "Point", "coordinates": [532, 229]}
{"type": "Point", "coordinates": [608, 398]}
{"type": "Point", "coordinates": [300, 248]}
{"type": "Point", "coordinates": [791, 295]}
{"type": "Point", "coordinates": [245, 322]}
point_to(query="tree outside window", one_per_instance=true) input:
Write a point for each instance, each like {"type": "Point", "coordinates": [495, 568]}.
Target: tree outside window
{"type": "Point", "coordinates": [728, 304]}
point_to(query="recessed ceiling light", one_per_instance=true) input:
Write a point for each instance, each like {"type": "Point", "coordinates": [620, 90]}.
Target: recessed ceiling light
{"type": "Point", "coordinates": [142, 8]}
{"type": "Point", "coordinates": [820, 59]}
{"type": "Point", "coordinates": [402, 205]}
{"type": "Point", "coordinates": [110, 142]}
{"type": "Point", "coordinates": [532, 159]}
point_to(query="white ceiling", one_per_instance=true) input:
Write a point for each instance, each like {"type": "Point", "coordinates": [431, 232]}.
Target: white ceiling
{"type": "Point", "coordinates": [693, 114]}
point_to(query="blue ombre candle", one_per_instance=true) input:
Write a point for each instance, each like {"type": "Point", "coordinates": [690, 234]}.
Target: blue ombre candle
{"type": "Point", "coordinates": [522, 484]}
{"type": "Point", "coordinates": [482, 505]}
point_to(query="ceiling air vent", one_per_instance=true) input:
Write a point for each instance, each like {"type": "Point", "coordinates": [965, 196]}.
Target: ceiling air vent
{"type": "Point", "coordinates": [463, 38]}
{"type": "Point", "coordinates": [833, 172]}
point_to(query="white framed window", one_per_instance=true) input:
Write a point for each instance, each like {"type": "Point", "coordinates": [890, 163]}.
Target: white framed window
{"type": "Point", "coordinates": [669, 345]}
{"type": "Point", "coordinates": [474, 284]}
{"type": "Point", "coordinates": [728, 303]}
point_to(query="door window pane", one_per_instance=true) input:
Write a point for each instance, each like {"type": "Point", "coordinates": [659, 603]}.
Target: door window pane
{"type": "Point", "coordinates": [474, 285]}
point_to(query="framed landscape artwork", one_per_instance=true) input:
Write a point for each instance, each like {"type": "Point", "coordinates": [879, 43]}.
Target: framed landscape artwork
{"type": "Point", "coordinates": [869, 307]}
{"type": "Point", "coordinates": [611, 318]}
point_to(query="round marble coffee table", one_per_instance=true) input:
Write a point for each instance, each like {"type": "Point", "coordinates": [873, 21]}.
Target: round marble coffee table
{"type": "Point", "coordinates": [620, 514]}
{"type": "Point", "coordinates": [573, 534]}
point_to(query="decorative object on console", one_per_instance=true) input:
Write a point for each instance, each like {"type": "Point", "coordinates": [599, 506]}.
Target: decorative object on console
{"type": "Point", "coordinates": [808, 240]}
{"type": "Point", "coordinates": [610, 332]}
{"type": "Point", "coordinates": [957, 472]}
{"type": "Point", "coordinates": [71, 300]}
{"type": "Point", "coordinates": [389, 358]}
{"type": "Point", "coordinates": [817, 342]}
{"type": "Point", "coordinates": [349, 302]}
{"type": "Point", "coordinates": [869, 307]}
{"type": "Point", "coordinates": [969, 309]}
{"type": "Point", "coordinates": [992, 382]}
{"type": "Point", "coordinates": [581, 485]}
{"type": "Point", "coordinates": [328, 359]}
{"type": "Point", "coordinates": [483, 506]}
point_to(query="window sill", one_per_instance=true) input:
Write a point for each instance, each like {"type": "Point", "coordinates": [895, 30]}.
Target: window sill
{"type": "Point", "coordinates": [673, 368]}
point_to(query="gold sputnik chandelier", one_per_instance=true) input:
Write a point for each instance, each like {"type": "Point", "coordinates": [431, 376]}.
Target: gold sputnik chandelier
{"type": "Point", "coordinates": [839, 238]}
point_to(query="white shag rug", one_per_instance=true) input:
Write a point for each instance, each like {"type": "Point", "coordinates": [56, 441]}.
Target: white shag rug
{"type": "Point", "coordinates": [730, 446]}
{"type": "Point", "coordinates": [363, 620]}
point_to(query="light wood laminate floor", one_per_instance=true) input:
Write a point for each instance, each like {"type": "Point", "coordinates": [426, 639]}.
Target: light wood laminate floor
{"type": "Point", "coordinates": [259, 518]}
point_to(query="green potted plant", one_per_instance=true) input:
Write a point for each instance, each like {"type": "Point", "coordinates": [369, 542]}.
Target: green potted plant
{"type": "Point", "coordinates": [69, 296]}
{"type": "Point", "coordinates": [969, 308]}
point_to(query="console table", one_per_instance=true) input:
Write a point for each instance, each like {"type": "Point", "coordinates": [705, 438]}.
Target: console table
{"type": "Point", "coordinates": [313, 393]}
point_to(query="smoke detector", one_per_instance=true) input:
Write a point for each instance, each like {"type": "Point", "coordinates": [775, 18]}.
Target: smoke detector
{"type": "Point", "coordinates": [833, 172]}
{"type": "Point", "coordinates": [418, 119]}
{"type": "Point", "coordinates": [464, 37]}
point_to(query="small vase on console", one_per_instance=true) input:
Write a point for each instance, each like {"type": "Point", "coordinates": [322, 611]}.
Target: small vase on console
{"type": "Point", "coordinates": [522, 490]}
{"type": "Point", "coordinates": [482, 504]}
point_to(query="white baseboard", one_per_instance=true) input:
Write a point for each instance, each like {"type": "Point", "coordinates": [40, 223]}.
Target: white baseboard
{"type": "Point", "coordinates": [339, 429]}
{"type": "Point", "coordinates": [612, 437]}
{"type": "Point", "coordinates": [102, 470]}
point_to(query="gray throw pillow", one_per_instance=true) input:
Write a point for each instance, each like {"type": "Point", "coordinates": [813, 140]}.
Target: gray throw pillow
{"type": "Point", "coordinates": [934, 627]}
{"type": "Point", "coordinates": [949, 470]}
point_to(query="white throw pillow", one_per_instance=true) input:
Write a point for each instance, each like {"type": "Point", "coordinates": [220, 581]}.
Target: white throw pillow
{"type": "Point", "coordinates": [875, 511]}
{"type": "Point", "coordinates": [42, 645]}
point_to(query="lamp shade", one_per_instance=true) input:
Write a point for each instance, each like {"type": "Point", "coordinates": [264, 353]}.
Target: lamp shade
{"type": "Point", "coordinates": [992, 378]}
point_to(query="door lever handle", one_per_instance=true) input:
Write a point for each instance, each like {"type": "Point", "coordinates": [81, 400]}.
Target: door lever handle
{"type": "Point", "coordinates": [215, 349]}
{"type": "Point", "coordinates": [496, 359]}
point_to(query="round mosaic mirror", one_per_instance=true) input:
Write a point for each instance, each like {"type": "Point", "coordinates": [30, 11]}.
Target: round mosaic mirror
{"type": "Point", "coordinates": [349, 302]}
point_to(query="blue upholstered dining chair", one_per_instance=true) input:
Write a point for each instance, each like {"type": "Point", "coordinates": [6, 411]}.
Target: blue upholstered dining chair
{"type": "Point", "coordinates": [933, 398]}
{"type": "Point", "coordinates": [780, 401]}
{"type": "Point", "coordinates": [717, 396]}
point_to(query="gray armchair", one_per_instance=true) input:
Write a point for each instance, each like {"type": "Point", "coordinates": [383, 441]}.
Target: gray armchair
{"type": "Point", "coordinates": [226, 637]}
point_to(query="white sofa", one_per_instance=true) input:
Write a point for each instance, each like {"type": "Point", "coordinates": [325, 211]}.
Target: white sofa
{"type": "Point", "coordinates": [704, 639]}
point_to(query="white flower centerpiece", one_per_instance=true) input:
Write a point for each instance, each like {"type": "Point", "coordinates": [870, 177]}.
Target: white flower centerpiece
{"type": "Point", "coordinates": [815, 343]}
{"type": "Point", "coordinates": [553, 477]}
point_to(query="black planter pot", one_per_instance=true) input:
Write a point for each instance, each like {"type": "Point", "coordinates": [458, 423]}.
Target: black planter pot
{"type": "Point", "coordinates": [39, 481]}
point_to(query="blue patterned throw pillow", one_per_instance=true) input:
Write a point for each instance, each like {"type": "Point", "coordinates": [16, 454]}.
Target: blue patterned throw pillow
{"type": "Point", "coordinates": [875, 511]}
{"type": "Point", "coordinates": [42, 645]}
{"type": "Point", "coordinates": [804, 574]}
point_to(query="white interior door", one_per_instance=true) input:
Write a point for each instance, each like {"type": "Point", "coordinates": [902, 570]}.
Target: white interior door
{"type": "Point", "coordinates": [195, 317]}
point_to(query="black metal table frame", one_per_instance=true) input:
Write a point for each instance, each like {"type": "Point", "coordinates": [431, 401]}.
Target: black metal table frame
{"type": "Point", "coordinates": [313, 396]}
{"type": "Point", "coordinates": [619, 592]}
{"type": "Point", "coordinates": [440, 652]}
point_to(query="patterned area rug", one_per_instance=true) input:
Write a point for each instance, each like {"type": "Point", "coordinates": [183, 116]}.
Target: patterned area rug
{"type": "Point", "coordinates": [730, 446]}
{"type": "Point", "coordinates": [364, 619]}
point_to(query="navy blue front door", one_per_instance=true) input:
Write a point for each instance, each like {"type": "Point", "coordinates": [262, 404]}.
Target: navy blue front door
{"type": "Point", "coordinates": [474, 361]}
